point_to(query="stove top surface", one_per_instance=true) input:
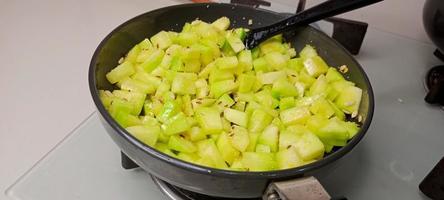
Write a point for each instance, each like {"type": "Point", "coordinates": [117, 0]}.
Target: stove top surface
{"type": "Point", "coordinates": [402, 145]}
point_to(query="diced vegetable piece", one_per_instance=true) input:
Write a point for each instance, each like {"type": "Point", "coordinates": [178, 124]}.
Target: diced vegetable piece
{"type": "Point", "coordinates": [287, 102]}
{"type": "Point", "coordinates": [135, 100]}
{"type": "Point", "coordinates": [187, 38]}
{"type": "Point", "coordinates": [262, 148]}
{"type": "Point", "coordinates": [222, 87]}
{"type": "Point", "coordinates": [176, 124]}
{"type": "Point", "coordinates": [180, 144]}
{"type": "Point", "coordinates": [209, 119]}
{"type": "Point", "coordinates": [207, 150]}
{"type": "Point", "coordinates": [169, 109]}
{"type": "Point", "coordinates": [271, 77]}
{"type": "Point", "coordinates": [296, 115]}
{"type": "Point", "coordinates": [239, 138]}
{"type": "Point", "coordinates": [333, 75]}
{"type": "Point", "coordinates": [270, 137]}
{"type": "Point", "coordinates": [283, 88]}
{"type": "Point", "coordinates": [260, 64]}
{"type": "Point", "coordinates": [290, 136]}
{"type": "Point", "coordinates": [255, 161]}
{"type": "Point", "coordinates": [227, 62]}
{"type": "Point", "coordinates": [183, 83]}
{"type": "Point", "coordinates": [246, 82]}
{"type": "Point", "coordinates": [164, 149]}
{"type": "Point", "coordinates": [137, 86]}
{"type": "Point", "coordinates": [222, 23]}
{"type": "Point", "coordinates": [315, 66]}
{"type": "Point", "coordinates": [333, 130]}
{"type": "Point", "coordinates": [322, 108]}
{"type": "Point", "coordinates": [153, 61]}
{"type": "Point", "coordinates": [259, 120]}
{"type": "Point", "coordinates": [308, 52]}
{"type": "Point", "coordinates": [245, 60]}
{"type": "Point", "coordinates": [349, 99]}
{"type": "Point", "coordinates": [106, 97]}
{"type": "Point", "coordinates": [146, 134]}
{"type": "Point", "coordinates": [195, 134]}
{"type": "Point", "coordinates": [121, 72]}
{"type": "Point", "coordinates": [189, 157]}
{"type": "Point", "coordinates": [276, 60]}
{"type": "Point", "coordinates": [352, 128]}
{"type": "Point", "coordinates": [228, 152]}
{"type": "Point", "coordinates": [236, 43]}
{"type": "Point", "coordinates": [271, 45]}
{"type": "Point", "coordinates": [161, 40]}
{"type": "Point", "coordinates": [309, 147]}
{"type": "Point", "coordinates": [288, 158]}
{"type": "Point", "coordinates": [133, 54]}
{"type": "Point", "coordinates": [217, 75]}
{"type": "Point", "coordinates": [236, 117]}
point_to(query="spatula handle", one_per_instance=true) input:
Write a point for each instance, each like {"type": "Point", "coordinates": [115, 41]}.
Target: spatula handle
{"type": "Point", "coordinates": [324, 10]}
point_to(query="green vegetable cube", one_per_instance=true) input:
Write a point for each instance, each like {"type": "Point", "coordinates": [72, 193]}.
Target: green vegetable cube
{"type": "Point", "coordinates": [239, 138]}
{"type": "Point", "coordinates": [183, 83]}
{"type": "Point", "coordinates": [228, 152]}
{"type": "Point", "coordinates": [322, 108]}
{"type": "Point", "coordinates": [189, 157]}
{"type": "Point", "coordinates": [259, 120]}
{"type": "Point", "coordinates": [209, 152]}
{"type": "Point", "coordinates": [209, 119]}
{"type": "Point", "coordinates": [245, 60]}
{"type": "Point", "coordinates": [246, 82]}
{"type": "Point", "coordinates": [283, 88]}
{"type": "Point", "coordinates": [315, 66]}
{"type": "Point", "coordinates": [180, 144]}
{"type": "Point", "coordinates": [271, 77]}
{"type": "Point", "coordinates": [187, 38]}
{"type": "Point", "coordinates": [262, 148]}
{"type": "Point", "coordinates": [195, 134]}
{"type": "Point", "coordinates": [236, 117]}
{"type": "Point", "coordinates": [219, 88]}
{"type": "Point", "coordinates": [255, 161]}
{"type": "Point", "coordinates": [136, 86]}
{"type": "Point", "coordinates": [276, 60]}
{"type": "Point", "coordinates": [349, 99]}
{"type": "Point", "coordinates": [296, 115]}
{"type": "Point", "coordinates": [309, 147]}
{"type": "Point", "coordinates": [236, 43]}
{"type": "Point", "coordinates": [286, 103]}
{"type": "Point", "coordinates": [153, 61]}
{"type": "Point", "coordinates": [333, 130]}
{"type": "Point", "coordinates": [270, 137]}
{"type": "Point", "coordinates": [333, 75]}
{"type": "Point", "coordinates": [308, 52]}
{"type": "Point", "coordinates": [227, 62]}
{"type": "Point", "coordinates": [222, 23]}
{"type": "Point", "coordinates": [169, 109]}
{"type": "Point", "coordinates": [146, 134]}
{"type": "Point", "coordinates": [161, 40]}
{"type": "Point", "coordinates": [260, 64]}
{"type": "Point", "coordinates": [288, 158]}
{"type": "Point", "coordinates": [121, 72]}
{"type": "Point", "coordinates": [176, 124]}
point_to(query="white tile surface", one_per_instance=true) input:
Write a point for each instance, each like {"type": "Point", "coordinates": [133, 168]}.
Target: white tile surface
{"type": "Point", "coordinates": [45, 49]}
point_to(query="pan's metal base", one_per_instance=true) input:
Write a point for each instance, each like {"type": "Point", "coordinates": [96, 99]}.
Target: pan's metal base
{"type": "Point", "coordinates": [176, 193]}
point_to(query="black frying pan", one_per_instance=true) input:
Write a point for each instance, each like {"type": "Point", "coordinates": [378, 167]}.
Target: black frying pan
{"type": "Point", "coordinates": [209, 181]}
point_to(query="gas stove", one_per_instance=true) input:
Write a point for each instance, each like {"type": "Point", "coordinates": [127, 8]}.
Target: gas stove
{"type": "Point", "coordinates": [401, 147]}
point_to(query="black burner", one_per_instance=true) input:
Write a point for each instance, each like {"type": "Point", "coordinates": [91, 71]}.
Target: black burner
{"type": "Point", "coordinates": [435, 83]}
{"type": "Point", "coordinates": [176, 193]}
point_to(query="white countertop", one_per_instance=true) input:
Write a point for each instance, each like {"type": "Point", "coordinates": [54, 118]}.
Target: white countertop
{"type": "Point", "coordinates": [45, 50]}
